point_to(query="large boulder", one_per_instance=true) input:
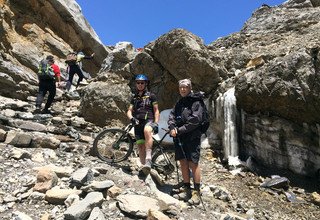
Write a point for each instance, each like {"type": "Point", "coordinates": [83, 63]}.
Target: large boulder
{"type": "Point", "coordinates": [106, 100]}
{"type": "Point", "coordinates": [287, 86]}
{"type": "Point", "coordinates": [162, 83]}
{"type": "Point", "coordinates": [286, 83]}
{"type": "Point", "coordinates": [119, 58]}
{"type": "Point", "coordinates": [184, 55]}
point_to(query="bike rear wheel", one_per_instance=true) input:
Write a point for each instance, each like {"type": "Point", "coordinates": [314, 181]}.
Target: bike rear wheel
{"type": "Point", "coordinates": [113, 145]}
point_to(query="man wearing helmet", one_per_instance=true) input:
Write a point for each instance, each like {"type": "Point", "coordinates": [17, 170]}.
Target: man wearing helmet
{"type": "Point", "coordinates": [144, 114]}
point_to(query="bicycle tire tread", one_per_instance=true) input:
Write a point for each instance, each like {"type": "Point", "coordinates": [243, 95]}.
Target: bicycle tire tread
{"type": "Point", "coordinates": [104, 133]}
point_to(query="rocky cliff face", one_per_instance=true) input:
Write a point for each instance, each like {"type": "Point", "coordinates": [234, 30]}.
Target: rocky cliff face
{"type": "Point", "coordinates": [30, 30]}
{"type": "Point", "coordinates": [278, 84]}
{"type": "Point", "coordinates": [272, 63]}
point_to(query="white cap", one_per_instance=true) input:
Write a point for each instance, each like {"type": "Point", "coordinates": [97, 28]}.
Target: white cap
{"type": "Point", "coordinates": [185, 82]}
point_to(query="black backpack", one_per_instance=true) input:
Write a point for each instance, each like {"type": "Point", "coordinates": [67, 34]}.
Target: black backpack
{"type": "Point", "coordinates": [45, 71]}
{"type": "Point", "coordinates": [205, 123]}
{"type": "Point", "coordinates": [71, 59]}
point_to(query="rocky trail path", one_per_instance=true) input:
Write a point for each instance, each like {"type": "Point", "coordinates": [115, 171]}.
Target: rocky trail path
{"type": "Point", "coordinates": [48, 172]}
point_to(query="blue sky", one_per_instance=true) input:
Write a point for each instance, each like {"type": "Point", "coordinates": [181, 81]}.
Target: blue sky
{"type": "Point", "coordinates": [142, 21]}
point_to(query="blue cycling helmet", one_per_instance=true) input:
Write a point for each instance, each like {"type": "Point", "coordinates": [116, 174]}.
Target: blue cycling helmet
{"type": "Point", "coordinates": [141, 77]}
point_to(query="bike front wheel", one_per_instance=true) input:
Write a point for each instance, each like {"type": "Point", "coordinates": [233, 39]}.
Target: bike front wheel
{"type": "Point", "coordinates": [163, 160]}
{"type": "Point", "coordinates": [113, 145]}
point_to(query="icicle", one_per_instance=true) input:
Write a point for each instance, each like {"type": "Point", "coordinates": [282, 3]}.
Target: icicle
{"type": "Point", "coordinates": [230, 137]}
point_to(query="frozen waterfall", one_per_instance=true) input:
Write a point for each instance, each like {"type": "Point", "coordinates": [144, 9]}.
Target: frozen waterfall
{"type": "Point", "coordinates": [226, 115]}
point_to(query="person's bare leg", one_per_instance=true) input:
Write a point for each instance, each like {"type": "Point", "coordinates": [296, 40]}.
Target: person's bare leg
{"type": "Point", "coordinates": [142, 153]}
{"type": "Point", "coordinates": [148, 149]}
{"type": "Point", "coordinates": [195, 168]}
{"type": "Point", "coordinates": [148, 141]}
{"type": "Point", "coordinates": [196, 171]}
{"type": "Point", "coordinates": [185, 170]}
{"type": "Point", "coordinates": [185, 194]}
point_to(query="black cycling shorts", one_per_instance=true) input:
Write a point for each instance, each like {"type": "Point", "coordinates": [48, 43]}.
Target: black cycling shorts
{"type": "Point", "coordinates": [187, 149]}
{"type": "Point", "coordinates": [139, 131]}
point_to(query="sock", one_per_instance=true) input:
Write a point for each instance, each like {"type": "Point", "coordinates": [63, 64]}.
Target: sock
{"type": "Point", "coordinates": [187, 185]}
{"type": "Point", "coordinates": [197, 186]}
{"type": "Point", "coordinates": [148, 154]}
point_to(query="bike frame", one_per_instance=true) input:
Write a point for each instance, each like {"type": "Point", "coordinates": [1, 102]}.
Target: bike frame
{"type": "Point", "coordinates": [155, 141]}
{"type": "Point", "coordinates": [158, 147]}
{"type": "Point", "coordinates": [156, 144]}
{"type": "Point", "coordinates": [161, 156]}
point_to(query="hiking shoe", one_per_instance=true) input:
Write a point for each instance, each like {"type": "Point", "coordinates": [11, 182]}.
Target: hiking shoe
{"type": "Point", "coordinates": [178, 185]}
{"type": "Point", "coordinates": [185, 195]}
{"type": "Point", "coordinates": [195, 198]}
{"type": "Point", "coordinates": [178, 188]}
{"type": "Point", "coordinates": [37, 111]}
{"type": "Point", "coordinates": [46, 111]}
{"type": "Point", "coordinates": [141, 174]}
{"type": "Point", "coordinates": [146, 168]}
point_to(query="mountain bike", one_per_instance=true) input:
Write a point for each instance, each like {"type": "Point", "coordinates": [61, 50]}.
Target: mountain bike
{"type": "Point", "coordinates": [114, 145]}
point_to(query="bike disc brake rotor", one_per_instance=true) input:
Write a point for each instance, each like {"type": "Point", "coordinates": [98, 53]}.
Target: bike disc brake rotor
{"type": "Point", "coordinates": [167, 169]}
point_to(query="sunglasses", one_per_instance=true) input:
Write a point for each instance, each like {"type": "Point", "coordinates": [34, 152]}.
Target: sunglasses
{"type": "Point", "coordinates": [142, 83]}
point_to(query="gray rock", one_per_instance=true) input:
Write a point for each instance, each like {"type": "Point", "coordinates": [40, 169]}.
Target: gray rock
{"type": "Point", "coordinates": [21, 140]}
{"type": "Point", "coordinates": [101, 105]}
{"type": "Point", "coordinates": [65, 171]}
{"type": "Point", "coordinates": [3, 135]}
{"type": "Point", "coordinates": [82, 209]}
{"type": "Point", "coordinates": [58, 196]}
{"type": "Point", "coordinates": [28, 125]}
{"type": "Point", "coordinates": [98, 186]}
{"type": "Point", "coordinates": [137, 205]}
{"type": "Point", "coordinates": [21, 216]}
{"type": "Point", "coordinates": [182, 54]}
{"type": "Point", "coordinates": [81, 176]}
{"type": "Point", "coordinates": [45, 141]}
{"type": "Point", "coordinates": [72, 199]}
{"type": "Point", "coordinates": [26, 116]}
{"type": "Point", "coordinates": [96, 214]}
{"type": "Point", "coordinates": [19, 154]}
{"type": "Point", "coordinates": [276, 182]}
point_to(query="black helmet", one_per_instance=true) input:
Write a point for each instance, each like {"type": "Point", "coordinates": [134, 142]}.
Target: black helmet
{"type": "Point", "coordinates": [50, 58]}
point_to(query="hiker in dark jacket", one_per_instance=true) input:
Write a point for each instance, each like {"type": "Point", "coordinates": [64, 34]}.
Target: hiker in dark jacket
{"type": "Point", "coordinates": [74, 62]}
{"type": "Point", "coordinates": [184, 124]}
{"type": "Point", "coordinates": [47, 85]}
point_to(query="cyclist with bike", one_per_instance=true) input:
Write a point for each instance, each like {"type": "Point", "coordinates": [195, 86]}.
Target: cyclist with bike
{"type": "Point", "coordinates": [184, 122]}
{"type": "Point", "coordinates": [144, 114]}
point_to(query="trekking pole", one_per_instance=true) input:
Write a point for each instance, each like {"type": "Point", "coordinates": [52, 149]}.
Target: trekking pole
{"type": "Point", "coordinates": [177, 172]}
{"type": "Point", "coordinates": [200, 198]}
{"type": "Point", "coordinates": [199, 194]}
{"type": "Point", "coordinates": [180, 145]}
{"type": "Point", "coordinates": [178, 179]}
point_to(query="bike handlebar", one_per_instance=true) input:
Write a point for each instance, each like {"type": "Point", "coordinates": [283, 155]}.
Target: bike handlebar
{"type": "Point", "coordinates": [131, 125]}
{"type": "Point", "coordinates": [166, 130]}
